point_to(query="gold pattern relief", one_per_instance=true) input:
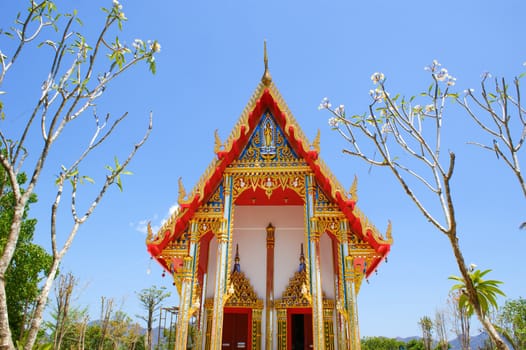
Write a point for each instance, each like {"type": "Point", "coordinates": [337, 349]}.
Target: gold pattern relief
{"type": "Point", "coordinates": [282, 329]}
{"type": "Point", "coordinates": [328, 326]}
{"type": "Point", "coordinates": [268, 182]}
{"type": "Point", "coordinates": [243, 293]}
{"type": "Point", "coordinates": [294, 295]}
{"type": "Point", "coordinates": [256, 329]}
{"type": "Point", "coordinates": [209, 315]}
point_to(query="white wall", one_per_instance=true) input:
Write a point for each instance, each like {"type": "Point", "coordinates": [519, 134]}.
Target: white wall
{"type": "Point", "coordinates": [250, 223]}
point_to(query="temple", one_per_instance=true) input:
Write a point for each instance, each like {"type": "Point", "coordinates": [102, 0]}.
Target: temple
{"type": "Point", "coordinates": [268, 251]}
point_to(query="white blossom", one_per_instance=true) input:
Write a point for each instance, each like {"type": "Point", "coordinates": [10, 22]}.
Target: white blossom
{"type": "Point", "coordinates": [325, 104]}
{"type": "Point", "coordinates": [377, 94]}
{"type": "Point", "coordinates": [340, 110]}
{"type": "Point", "coordinates": [429, 108]}
{"type": "Point", "coordinates": [442, 75]}
{"type": "Point", "coordinates": [138, 44]}
{"type": "Point", "coordinates": [334, 122]}
{"type": "Point", "coordinates": [433, 67]}
{"type": "Point", "coordinates": [117, 4]}
{"type": "Point", "coordinates": [155, 46]}
{"type": "Point", "coordinates": [377, 77]}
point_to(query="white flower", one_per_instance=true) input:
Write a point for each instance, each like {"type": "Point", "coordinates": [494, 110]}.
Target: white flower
{"type": "Point", "coordinates": [325, 104]}
{"type": "Point", "coordinates": [451, 80]}
{"type": "Point", "coordinates": [429, 108]}
{"type": "Point", "coordinates": [442, 75]}
{"type": "Point", "coordinates": [138, 44]}
{"type": "Point", "coordinates": [377, 77]}
{"type": "Point", "coordinates": [469, 91]}
{"type": "Point", "coordinates": [472, 267]}
{"type": "Point", "coordinates": [417, 109]}
{"type": "Point", "coordinates": [377, 94]}
{"type": "Point", "coordinates": [334, 122]}
{"type": "Point", "coordinates": [433, 67]}
{"type": "Point", "coordinates": [117, 4]}
{"type": "Point", "coordinates": [340, 110]}
{"type": "Point", "coordinates": [155, 46]}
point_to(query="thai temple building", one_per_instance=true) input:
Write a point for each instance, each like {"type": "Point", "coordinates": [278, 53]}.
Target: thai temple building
{"type": "Point", "coordinates": [268, 251]}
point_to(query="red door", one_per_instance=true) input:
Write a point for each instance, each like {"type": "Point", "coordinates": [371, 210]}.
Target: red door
{"type": "Point", "coordinates": [235, 331]}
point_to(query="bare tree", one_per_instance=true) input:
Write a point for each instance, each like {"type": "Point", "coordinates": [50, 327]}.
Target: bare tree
{"type": "Point", "coordinates": [498, 111]}
{"type": "Point", "coordinates": [460, 320]}
{"type": "Point", "coordinates": [72, 87]}
{"type": "Point", "coordinates": [151, 299]}
{"type": "Point", "coordinates": [426, 325]}
{"type": "Point", "coordinates": [63, 294]}
{"type": "Point", "coordinates": [106, 311]}
{"type": "Point", "coordinates": [440, 326]}
{"type": "Point", "coordinates": [407, 138]}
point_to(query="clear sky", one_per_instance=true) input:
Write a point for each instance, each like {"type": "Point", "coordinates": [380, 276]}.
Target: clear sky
{"type": "Point", "coordinates": [209, 65]}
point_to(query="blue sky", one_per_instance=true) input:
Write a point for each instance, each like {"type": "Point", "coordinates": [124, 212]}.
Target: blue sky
{"type": "Point", "coordinates": [209, 65]}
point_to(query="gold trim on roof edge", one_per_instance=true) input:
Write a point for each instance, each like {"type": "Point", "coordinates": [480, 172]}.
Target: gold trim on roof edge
{"type": "Point", "coordinates": [242, 121]}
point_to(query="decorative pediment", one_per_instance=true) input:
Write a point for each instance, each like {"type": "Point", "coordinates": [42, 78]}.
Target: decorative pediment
{"type": "Point", "coordinates": [268, 143]}
{"type": "Point", "coordinates": [294, 295]}
{"type": "Point", "coordinates": [243, 294]}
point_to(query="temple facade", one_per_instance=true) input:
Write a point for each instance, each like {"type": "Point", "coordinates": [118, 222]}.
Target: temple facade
{"type": "Point", "coordinates": [268, 251]}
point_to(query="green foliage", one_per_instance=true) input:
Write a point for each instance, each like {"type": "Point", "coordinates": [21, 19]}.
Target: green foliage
{"type": "Point", "coordinates": [487, 291]}
{"type": "Point", "coordinates": [415, 344]}
{"type": "Point", "coordinates": [512, 322]}
{"type": "Point", "coordinates": [381, 343]}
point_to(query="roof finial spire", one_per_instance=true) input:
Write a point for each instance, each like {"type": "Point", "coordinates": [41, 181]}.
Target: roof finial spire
{"type": "Point", "coordinates": [266, 79]}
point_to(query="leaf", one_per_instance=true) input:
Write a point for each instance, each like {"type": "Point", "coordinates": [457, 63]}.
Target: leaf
{"type": "Point", "coordinates": [88, 179]}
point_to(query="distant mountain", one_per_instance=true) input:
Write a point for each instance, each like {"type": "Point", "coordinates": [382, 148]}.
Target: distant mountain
{"type": "Point", "coordinates": [477, 341]}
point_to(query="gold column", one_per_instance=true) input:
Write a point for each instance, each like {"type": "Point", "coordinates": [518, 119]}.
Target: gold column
{"type": "Point", "coordinates": [186, 298]}
{"type": "Point", "coordinates": [184, 305]}
{"type": "Point", "coordinates": [313, 236]}
{"type": "Point", "coordinates": [224, 239]}
{"type": "Point", "coordinates": [341, 292]}
{"type": "Point", "coordinates": [350, 305]}
{"type": "Point", "coordinates": [269, 307]}
{"type": "Point", "coordinates": [316, 290]}
{"type": "Point", "coordinates": [282, 329]}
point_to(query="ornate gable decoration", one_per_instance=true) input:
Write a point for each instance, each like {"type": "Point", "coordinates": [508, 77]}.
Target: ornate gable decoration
{"type": "Point", "coordinates": [243, 293]}
{"type": "Point", "coordinates": [294, 295]}
{"type": "Point", "coordinates": [268, 143]}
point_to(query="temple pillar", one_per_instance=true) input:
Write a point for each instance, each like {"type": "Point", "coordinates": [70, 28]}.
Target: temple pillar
{"type": "Point", "coordinates": [314, 273]}
{"type": "Point", "coordinates": [184, 304]}
{"type": "Point", "coordinates": [269, 301]}
{"type": "Point", "coordinates": [351, 307]}
{"type": "Point", "coordinates": [342, 251]}
{"type": "Point", "coordinates": [316, 290]}
{"type": "Point", "coordinates": [186, 307]}
{"type": "Point", "coordinates": [224, 239]}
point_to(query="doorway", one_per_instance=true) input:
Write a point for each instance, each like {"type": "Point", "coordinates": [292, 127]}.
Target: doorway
{"type": "Point", "coordinates": [300, 331]}
{"type": "Point", "coordinates": [236, 330]}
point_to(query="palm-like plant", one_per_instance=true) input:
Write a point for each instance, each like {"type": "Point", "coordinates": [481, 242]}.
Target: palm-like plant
{"type": "Point", "coordinates": [487, 291]}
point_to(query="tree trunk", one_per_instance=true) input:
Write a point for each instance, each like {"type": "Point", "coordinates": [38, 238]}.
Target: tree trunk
{"type": "Point", "coordinates": [472, 294]}
{"type": "Point", "coordinates": [6, 340]}
{"type": "Point", "coordinates": [41, 305]}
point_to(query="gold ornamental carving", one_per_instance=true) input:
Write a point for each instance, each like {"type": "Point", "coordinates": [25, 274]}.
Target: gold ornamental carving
{"type": "Point", "coordinates": [268, 182]}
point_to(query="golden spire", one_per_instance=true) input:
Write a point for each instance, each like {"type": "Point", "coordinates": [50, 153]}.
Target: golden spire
{"type": "Point", "coordinates": [266, 79]}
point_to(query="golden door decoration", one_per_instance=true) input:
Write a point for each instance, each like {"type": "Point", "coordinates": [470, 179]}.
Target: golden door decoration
{"type": "Point", "coordinates": [296, 296]}
{"type": "Point", "coordinates": [242, 295]}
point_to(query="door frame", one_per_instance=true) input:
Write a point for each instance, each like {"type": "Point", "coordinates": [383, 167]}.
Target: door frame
{"type": "Point", "coordinates": [248, 312]}
{"type": "Point", "coordinates": [295, 311]}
